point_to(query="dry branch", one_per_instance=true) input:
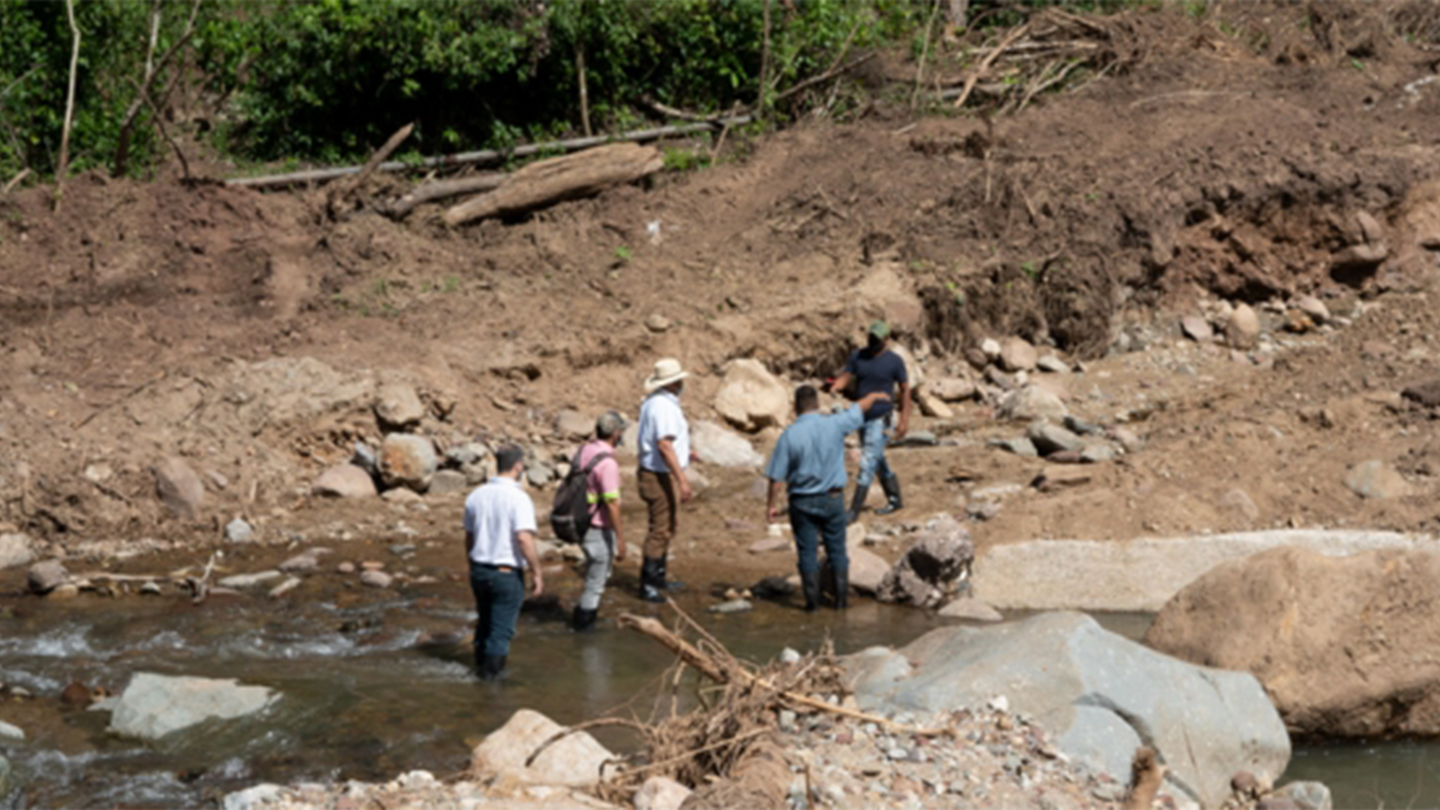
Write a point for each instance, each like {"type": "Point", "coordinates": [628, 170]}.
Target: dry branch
{"type": "Point", "coordinates": [153, 68]}
{"type": "Point", "coordinates": [989, 60]}
{"type": "Point", "coordinates": [562, 178]}
{"type": "Point", "coordinates": [442, 189]}
{"type": "Point", "coordinates": [338, 194]}
{"type": "Point", "coordinates": [15, 181]}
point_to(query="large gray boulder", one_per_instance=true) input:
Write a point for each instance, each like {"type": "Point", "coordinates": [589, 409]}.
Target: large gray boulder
{"type": "Point", "coordinates": [408, 461]}
{"type": "Point", "coordinates": [398, 407]}
{"type": "Point", "coordinates": [1101, 695]}
{"type": "Point", "coordinates": [716, 445]}
{"type": "Point", "coordinates": [153, 706]}
{"type": "Point", "coordinates": [751, 398]}
{"type": "Point", "coordinates": [573, 761]}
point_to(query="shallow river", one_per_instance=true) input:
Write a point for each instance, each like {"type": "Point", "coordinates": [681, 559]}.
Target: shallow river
{"type": "Point", "coordinates": [362, 700]}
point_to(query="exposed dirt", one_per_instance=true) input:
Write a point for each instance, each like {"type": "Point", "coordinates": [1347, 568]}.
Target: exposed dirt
{"type": "Point", "coordinates": [1227, 159]}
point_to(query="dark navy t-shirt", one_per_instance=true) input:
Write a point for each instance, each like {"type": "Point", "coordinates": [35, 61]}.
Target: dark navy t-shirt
{"type": "Point", "coordinates": [873, 373]}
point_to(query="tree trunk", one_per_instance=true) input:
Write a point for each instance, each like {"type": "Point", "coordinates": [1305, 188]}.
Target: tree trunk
{"type": "Point", "coordinates": [561, 178]}
{"type": "Point", "coordinates": [441, 189]}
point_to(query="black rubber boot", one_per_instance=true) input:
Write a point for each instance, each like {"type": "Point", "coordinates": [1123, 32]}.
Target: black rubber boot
{"type": "Point", "coordinates": [652, 579]}
{"type": "Point", "coordinates": [492, 667]}
{"type": "Point", "coordinates": [810, 584]}
{"type": "Point", "coordinates": [857, 502]}
{"type": "Point", "coordinates": [662, 579]}
{"type": "Point", "coordinates": [583, 619]}
{"type": "Point", "coordinates": [842, 587]}
{"type": "Point", "coordinates": [891, 485]}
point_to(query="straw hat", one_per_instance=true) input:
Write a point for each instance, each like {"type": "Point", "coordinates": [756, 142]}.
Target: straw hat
{"type": "Point", "coordinates": [667, 371]}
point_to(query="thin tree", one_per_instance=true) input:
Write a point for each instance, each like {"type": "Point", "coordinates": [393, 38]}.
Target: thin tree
{"type": "Point", "coordinates": [69, 104]}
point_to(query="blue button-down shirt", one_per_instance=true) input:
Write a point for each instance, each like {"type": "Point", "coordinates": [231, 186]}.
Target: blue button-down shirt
{"type": "Point", "coordinates": [810, 455]}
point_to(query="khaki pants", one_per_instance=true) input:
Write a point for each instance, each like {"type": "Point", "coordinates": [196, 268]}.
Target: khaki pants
{"type": "Point", "coordinates": [657, 490]}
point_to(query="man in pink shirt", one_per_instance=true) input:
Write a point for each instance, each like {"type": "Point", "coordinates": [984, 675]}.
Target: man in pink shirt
{"type": "Point", "coordinates": [604, 544]}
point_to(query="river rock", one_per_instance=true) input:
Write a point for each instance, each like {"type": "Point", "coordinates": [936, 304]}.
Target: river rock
{"type": "Point", "coordinates": [932, 568]}
{"type": "Point", "coordinates": [344, 481]}
{"type": "Point", "coordinates": [1016, 354]}
{"type": "Point", "coordinates": [751, 398]}
{"type": "Point", "coordinates": [1141, 574]}
{"type": "Point", "coordinates": [867, 570]}
{"type": "Point", "coordinates": [256, 797]}
{"type": "Point", "coordinates": [1197, 329]}
{"type": "Point", "coordinates": [661, 793]}
{"type": "Point", "coordinates": [153, 706]}
{"type": "Point", "coordinates": [398, 407]}
{"type": "Point", "coordinates": [1314, 307]}
{"type": "Point", "coordinates": [46, 575]}
{"type": "Point", "coordinates": [376, 579]}
{"type": "Point", "coordinates": [572, 424]}
{"type": "Point", "coordinates": [1049, 438]}
{"type": "Point", "coordinates": [1098, 453]}
{"type": "Point", "coordinates": [573, 761]}
{"type": "Point", "coordinates": [1337, 641]}
{"type": "Point", "coordinates": [11, 732]}
{"type": "Point", "coordinates": [990, 347]}
{"type": "Point", "coordinates": [971, 609]}
{"type": "Point", "coordinates": [16, 549]}
{"type": "Point", "coordinates": [63, 591]}
{"type": "Point", "coordinates": [1359, 258]}
{"type": "Point", "coordinates": [449, 482]}
{"type": "Point", "coordinates": [407, 461]}
{"type": "Point", "coordinates": [238, 531]}
{"type": "Point", "coordinates": [180, 489]}
{"type": "Point", "coordinates": [401, 495]}
{"type": "Point", "coordinates": [1099, 694]}
{"type": "Point", "coordinates": [1306, 795]}
{"type": "Point", "coordinates": [657, 323]}
{"type": "Point", "coordinates": [1376, 479]}
{"type": "Point", "coordinates": [305, 563]}
{"type": "Point", "coordinates": [1022, 446]}
{"type": "Point", "coordinates": [733, 606]}
{"type": "Point", "coordinates": [242, 581]}
{"type": "Point", "coordinates": [1030, 403]}
{"type": "Point", "coordinates": [951, 389]}
{"type": "Point", "coordinates": [1243, 329]}
{"type": "Point", "coordinates": [538, 473]}
{"type": "Point", "coordinates": [714, 444]}
{"type": "Point", "coordinates": [932, 406]}
{"type": "Point", "coordinates": [1050, 364]}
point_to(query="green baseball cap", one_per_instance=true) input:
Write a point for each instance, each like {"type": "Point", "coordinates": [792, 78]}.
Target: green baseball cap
{"type": "Point", "coordinates": [880, 329]}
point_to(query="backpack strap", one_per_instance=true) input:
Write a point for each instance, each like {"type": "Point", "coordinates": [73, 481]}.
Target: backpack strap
{"type": "Point", "coordinates": [595, 462]}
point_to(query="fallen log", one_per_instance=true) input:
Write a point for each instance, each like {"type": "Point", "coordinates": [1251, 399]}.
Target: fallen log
{"type": "Point", "coordinates": [561, 178]}
{"type": "Point", "coordinates": [442, 189]}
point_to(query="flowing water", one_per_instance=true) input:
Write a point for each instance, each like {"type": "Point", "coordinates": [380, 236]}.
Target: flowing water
{"type": "Point", "coordinates": [366, 696]}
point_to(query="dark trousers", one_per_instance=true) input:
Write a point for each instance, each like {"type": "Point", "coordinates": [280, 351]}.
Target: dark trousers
{"type": "Point", "coordinates": [815, 518]}
{"type": "Point", "coordinates": [498, 596]}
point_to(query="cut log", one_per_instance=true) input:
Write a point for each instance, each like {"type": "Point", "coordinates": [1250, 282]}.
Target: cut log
{"type": "Point", "coordinates": [561, 178]}
{"type": "Point", "coordinates": [441, 189]}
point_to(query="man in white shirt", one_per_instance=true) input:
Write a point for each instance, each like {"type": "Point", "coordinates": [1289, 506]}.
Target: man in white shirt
{"type": "Point", "coordinates": [664, 447]}
{"type": "Point", "coordinates": [500, 544]}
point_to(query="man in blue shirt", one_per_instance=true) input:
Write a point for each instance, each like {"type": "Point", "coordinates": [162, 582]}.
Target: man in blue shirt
{"type": "Point", "coordinates": [809, 460]}
{"type": "Point", "coordinates": [876, 368]}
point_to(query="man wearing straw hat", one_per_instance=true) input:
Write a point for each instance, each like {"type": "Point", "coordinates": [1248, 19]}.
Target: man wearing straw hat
{"type": "Point", "coordinates": [664, 448]}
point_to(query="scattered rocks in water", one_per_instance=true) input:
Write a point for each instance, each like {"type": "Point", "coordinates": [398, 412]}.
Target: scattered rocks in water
{"type": "Point", "coordinates": [932, 568]}
{"type": "Point", "coordinates": [46, 576]}
{"type": "Point", "coordinates": [733, 606]}
{"type": "Point", "coordinates": [16, 548]}
{"type": "Point", "coordinates": [344, 481]}
{"type": "Point", "coordinates": [376, 579]}
{"type": "Point", "coordinates": [572, 761]}
{"type": "Point", "coordinates": [179, 488]}
{"type": "Point", "coordinates": [398, 407]}
{"type": "Point", "coordinates": [238, 531]}
{"type": "Point", "coordinates": [285, 587]}
{"type": "Point", "coordinates": [243, 581]}
{"type": "Point", "coordinates": [1377, 479]}
{"type": "Point", "coordinates": [153, 706]}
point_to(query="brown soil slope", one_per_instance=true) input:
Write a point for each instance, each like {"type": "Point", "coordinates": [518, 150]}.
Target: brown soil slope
{"type": "Point", "coordinates": [245, 332]}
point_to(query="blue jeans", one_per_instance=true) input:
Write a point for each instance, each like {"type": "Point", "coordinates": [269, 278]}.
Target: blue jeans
{"type": "Point", "coordinates": [498, 596]}
{"type": "Point", "coordinates": [819, 517]}
{"type": "Point", "coordinates": [872, 451]}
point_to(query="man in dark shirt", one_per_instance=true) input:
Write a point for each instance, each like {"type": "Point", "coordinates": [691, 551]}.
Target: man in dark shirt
{"type": "Point", "coordinates": [876, 368]}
